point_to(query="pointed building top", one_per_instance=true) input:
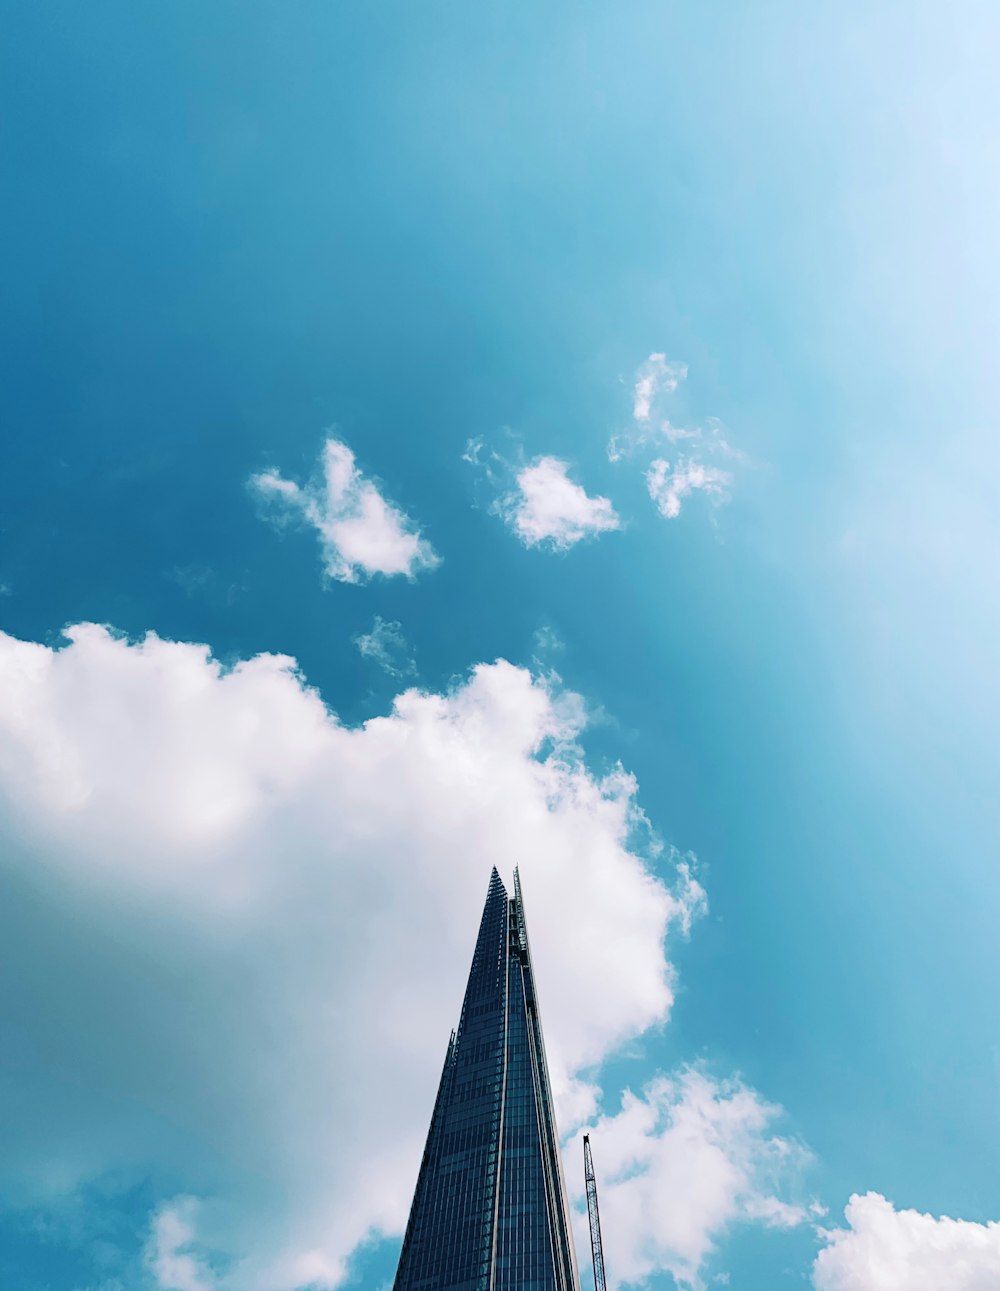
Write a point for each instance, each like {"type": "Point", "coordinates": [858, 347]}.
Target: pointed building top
{"type": "Point", "coordinates": [490, 1207]}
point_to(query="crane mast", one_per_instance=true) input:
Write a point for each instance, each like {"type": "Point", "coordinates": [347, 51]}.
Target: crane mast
{"type": "Point", "coordinates": [594, 1216]}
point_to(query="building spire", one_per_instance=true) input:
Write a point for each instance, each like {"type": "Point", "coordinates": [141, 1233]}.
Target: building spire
{"type": "Point", "coordinates": [489, 1211]}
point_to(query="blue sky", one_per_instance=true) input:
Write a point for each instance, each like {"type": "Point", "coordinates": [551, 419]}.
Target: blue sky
{"type": "Point", "coordinates": [237, 233]}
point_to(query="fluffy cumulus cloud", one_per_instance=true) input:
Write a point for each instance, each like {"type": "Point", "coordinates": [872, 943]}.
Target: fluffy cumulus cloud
{"type": "Point", "coordinates": [233, 925]}
{"type": "Point", "coordinates": [361, 533]}
{"type": "Point", "coordinates": [385, 645]}
{"type": "Point", "coordinates": [680, 1164]}
{"type": "Point", "coordinates": [884, 1249]}
{"type": "Point", "coordinates": [670, 485]}
{"type": "Point", "coordinates": [546, 507]}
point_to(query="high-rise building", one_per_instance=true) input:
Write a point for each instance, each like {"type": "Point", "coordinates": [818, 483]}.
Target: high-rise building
{"type": "Point", "coordinates": [489, 1212]}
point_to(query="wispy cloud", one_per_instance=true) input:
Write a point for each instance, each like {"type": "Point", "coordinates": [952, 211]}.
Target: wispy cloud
{"type": "Point", "coordinates": [204, 583]}
{"type": "Point", "coordinates": [361, 533]}
{"type": "Point", "coordinates": [709, 439]}
{"type": "Point", "coordinates": [170, 1253]}
{"type": "Point", "coordinates": [474, 450]}
{"type": "Point", "coordinates": [385, 645]}
{"type": "Point", "coordinates": [669, 486]}
{"type": "Point", "coordinates": [695, 469]}
{"type": "Point", "coordinates": [547, 642]}
{"type": "Point", "coordinates": [652, 377]}
{"type": "Point", "coordinates": [655, 377]}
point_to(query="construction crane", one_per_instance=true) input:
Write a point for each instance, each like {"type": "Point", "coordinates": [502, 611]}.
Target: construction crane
{"type": "Point", "coordinates": [594, 1215]}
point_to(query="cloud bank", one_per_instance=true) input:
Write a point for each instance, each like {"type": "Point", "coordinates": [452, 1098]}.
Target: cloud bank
{"type": "Point", "coordinates": [360, 532]}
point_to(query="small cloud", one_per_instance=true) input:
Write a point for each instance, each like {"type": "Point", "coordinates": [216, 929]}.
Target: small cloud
{"type": "Point", "coordinates": [386, 646]}
{"type": "Point", "coordinates": [674, 434]}
{"type": "Point", "coordinates": [547, 641]}
{"type": "Point", "coordinates": [538, 500]}
{"type": "Point", "coordinates": [654, 375]}
{"type": "Point", "coordinates": [547, 507]}
{"type": "Point", "coordinates": [710, 439]}
{"type": "Point", "coordinates": [201, 582]}
{"type": "Point", "coordinates": [474, 450]}
{"type": "Point", "coordinates": [668, 487]}
{"type": "Point", "coordinates": [625, 443]}
{"type": "Point", "coordinates": [191, 579]}
{"type": "Point", "coordinates": [361, 533]}
{"type": "Point", "coordinates": [169, 1252]}
{"type": "Point", "coordinates": [690, 898]}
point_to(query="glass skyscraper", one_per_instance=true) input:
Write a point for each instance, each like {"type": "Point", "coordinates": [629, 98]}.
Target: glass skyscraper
{"type": "Point", "coordinates": [489, 1212]}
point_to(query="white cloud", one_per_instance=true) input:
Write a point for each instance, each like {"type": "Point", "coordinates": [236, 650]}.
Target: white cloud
{"type": "Point", "coordinates": [174, 1265]}
{"type": "Point", "coordinates": [385, 645]}
{"type": "Point", "coordinates": [680, 1164]}
{"type": "Point", "coordinates": [668, 487]}
{"type": "Point", "coordinates": [546, 642]}
{"type": "Point", "coordinates": [240, 932]}
{"type": "Point", "coordinates": [691, 473]}
{"type": "Point", "coordinates": [652, 377]}
{"type": "Point", "coordinates": [675, 434]}
{"type": "Point", "coordinates": [360, 532]}
{"type": "Point", "coordinates": [547, 507]}
{"type": "Point", "coordinates": [474, 449]}
{"type": "Point", "coordinates": [884, 1249]}
{"type": "Point", "coordinates": [626, 443]}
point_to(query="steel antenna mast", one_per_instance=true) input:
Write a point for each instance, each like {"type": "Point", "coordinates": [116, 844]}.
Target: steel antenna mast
{"type": "Point", "coordinates": [594, 1215]}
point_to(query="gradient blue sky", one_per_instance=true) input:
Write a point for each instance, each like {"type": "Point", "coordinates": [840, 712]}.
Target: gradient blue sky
{"type": "Point", "coordinates": [234, 229]}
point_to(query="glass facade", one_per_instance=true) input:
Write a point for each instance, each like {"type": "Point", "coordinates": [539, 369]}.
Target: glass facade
{"type": "Point", "coordinates": [489, 1212]}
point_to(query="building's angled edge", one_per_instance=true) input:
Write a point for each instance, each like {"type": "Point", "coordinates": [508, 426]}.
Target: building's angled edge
{"type": "Point", "coordinates": [556, 1200]}
{"type": "Point", "coordinates": [431, 1149]}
